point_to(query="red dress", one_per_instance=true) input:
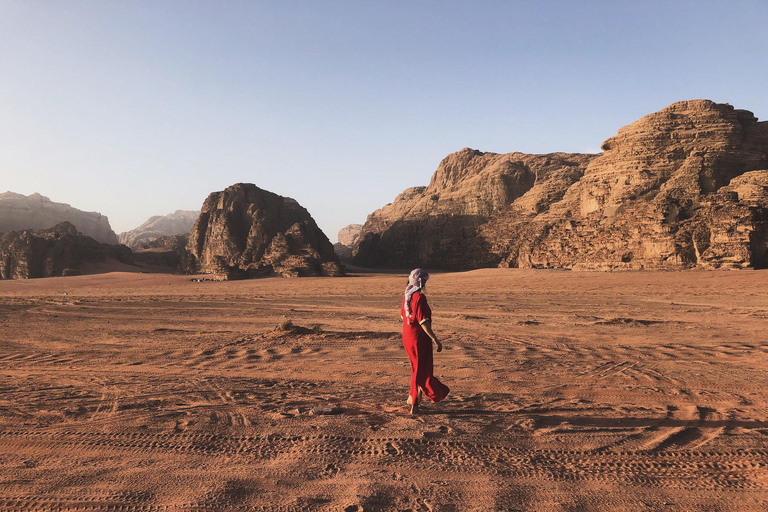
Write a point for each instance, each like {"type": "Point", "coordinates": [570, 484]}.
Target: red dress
{"type": "Point", "coordinates": [418, 346]}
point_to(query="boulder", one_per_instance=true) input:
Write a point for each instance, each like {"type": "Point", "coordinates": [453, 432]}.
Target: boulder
{"type": "Point", "coordinates": [245, 231]}
{"type": "Point", "coordinates": [36, 212]}
{"type": "Point", "coordinates": [59, 251]}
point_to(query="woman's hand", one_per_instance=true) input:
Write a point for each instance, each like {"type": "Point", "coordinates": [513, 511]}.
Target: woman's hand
{"type": "Point", "coordinates": [427, 326]}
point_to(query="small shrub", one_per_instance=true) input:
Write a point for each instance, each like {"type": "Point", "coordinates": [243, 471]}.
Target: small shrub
{"type": "Point", "coordinates": [285, 325]}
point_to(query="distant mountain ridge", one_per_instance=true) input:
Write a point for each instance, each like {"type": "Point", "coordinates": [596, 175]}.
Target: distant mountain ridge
{"type": "Point", "coordinates": [179, 222]}
{"type": "Point", "coordinates": [37, 212]}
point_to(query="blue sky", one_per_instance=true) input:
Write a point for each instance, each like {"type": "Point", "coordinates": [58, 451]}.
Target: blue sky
{"type": "Point", "coordinates": [138, 108]}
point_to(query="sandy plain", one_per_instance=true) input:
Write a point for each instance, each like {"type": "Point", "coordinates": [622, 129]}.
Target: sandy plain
{"type": "Point", "coordinates": [571, 391]}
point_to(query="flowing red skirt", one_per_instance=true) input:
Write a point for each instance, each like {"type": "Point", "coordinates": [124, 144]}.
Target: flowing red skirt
{"type": "Point", "coordinates": [419, 349]}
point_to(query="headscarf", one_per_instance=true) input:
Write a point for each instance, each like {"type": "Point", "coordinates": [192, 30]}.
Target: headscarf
{"type": "Point", "coordinates": [416, 282]}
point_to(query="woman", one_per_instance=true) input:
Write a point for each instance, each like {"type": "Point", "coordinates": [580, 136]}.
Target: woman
{"type": "Point", "coordinates": [417, 340]}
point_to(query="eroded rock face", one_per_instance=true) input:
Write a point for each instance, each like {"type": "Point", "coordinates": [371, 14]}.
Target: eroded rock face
{"type": "Point", "coordinates": [179, 222]}
{"type": "Point", "coordinates": [679, 188]}
{"type": "Point", "coordinates": [664, 194]}
{"type": "Point", "coordinates": [59, 251]}
{"type": "Point", "coordinates": [343, 252]}
{"type": "Point", "coordinates": [437, 226]}
{"type": "Point", "coordinates": [165, 251]}
{"type": "Point", "coordinates": [36, 212]}
{"type": "Point", "coordinates": [348, 235]}
{"type": "Point", "coordinates": [245, 231]}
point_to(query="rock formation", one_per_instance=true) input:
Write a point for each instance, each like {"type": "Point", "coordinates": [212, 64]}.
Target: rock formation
{"type": "Point", "coordinates": [672, 190]}
{"type": "Point", "coordinates": [36, 212]}
{"type": "Point", "coordinates": [59, 251]}
{"type": "Point", "coordinates": [679, 188]}
{"type": "Point", "coordinates": [347, 237]}
{"type": "Point", "coordinates": [245, 231]}
{"type": "Point", "coordinates": [179, 222]}
{"type": "Point", "coordinates": [169, 251]}
{"type": "Point", "coordinates": [437, 226]}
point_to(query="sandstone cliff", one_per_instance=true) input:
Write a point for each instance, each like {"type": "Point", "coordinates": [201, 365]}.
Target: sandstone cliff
{"type": "Point", "coordinates": [179, 222]}
{"type": "Point", "coordinates": [664, 194]}
{"type": "Point", "coordinates": [36, 212]}
{"type": "Point", "coordinates": [58, 251]}
{"type": "Point", "coordinates": [437, 226]}
{"type": "Point", "coordinates": [679, 188]}
{"type": "Point", "coordinates": [347, 237]}
{"type": "Point", "coordinates": [245, 231]}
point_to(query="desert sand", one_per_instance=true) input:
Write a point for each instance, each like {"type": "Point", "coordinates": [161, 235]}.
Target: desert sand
{"type": "Point", "coordinates": [574, 391]}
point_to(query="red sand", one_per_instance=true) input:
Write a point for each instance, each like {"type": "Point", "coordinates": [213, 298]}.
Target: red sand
{"type": "Point", "coordinates": [570, 391]}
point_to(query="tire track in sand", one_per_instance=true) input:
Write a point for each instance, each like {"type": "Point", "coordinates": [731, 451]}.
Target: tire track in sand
{"type": "Point", "coordinates": [656, 468]}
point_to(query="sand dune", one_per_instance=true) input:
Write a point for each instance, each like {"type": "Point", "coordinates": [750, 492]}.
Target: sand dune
{"type": "Point", "coordinates": [570, 391]}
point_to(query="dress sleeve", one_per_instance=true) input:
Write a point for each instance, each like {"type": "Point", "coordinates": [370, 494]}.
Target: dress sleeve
{"type": "Point", "coordinates": [423, 312]}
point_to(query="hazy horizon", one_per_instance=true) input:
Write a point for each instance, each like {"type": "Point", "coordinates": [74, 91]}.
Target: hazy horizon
{"type": "Point", "coordinates": [135, 109]}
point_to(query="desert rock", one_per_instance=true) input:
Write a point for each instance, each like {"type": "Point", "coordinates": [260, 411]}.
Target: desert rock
{"type": "Point", "coordinates": [672, 190]}
{"type": "Point", "coordinates": [179, 222]}
{"type": "Point", "coordinates": [682, 187]}
{"type": "Point", "coordinates": [245, 231]}
{"type": "Point", "coordinates": [437, 226]}
{"type": "Point", "coordinates": [37, 212]}
{"type": "Point", "coordinates": [58, 251]}
{"type": "Point", "coordinates": [343, 252]}
{"type": "Point", "coordinates": [347, 237]}
{"type": "Point", "coordinates": [168, 251]}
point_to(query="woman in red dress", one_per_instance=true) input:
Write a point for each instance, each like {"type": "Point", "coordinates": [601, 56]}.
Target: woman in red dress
{"type": "Point", "coordinates": [417, 340]}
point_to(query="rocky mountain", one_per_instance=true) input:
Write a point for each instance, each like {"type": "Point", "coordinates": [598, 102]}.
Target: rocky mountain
{"type": "Point", "coordinates": [675, 189]}
{"type": "Point", "coordinates": [36, 212]}
{"type": "Point", "coordinates": [437, 226]}
{"type": "Point", "coordinates": [347, 237]}
{"type": "Point", "coordinates": [168, 251]}
{"type": "Point", "coordinates": [179, 222]}
{"type": "Point", "coordinates": [58, 251]}
{"type": "Point", "coordinates": [683, 187]}
{"type": "Point", "coordinates": [245, 231]}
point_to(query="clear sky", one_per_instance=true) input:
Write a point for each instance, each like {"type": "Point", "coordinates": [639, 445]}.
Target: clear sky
{"type": "Point", "coordinates": [136, 108]}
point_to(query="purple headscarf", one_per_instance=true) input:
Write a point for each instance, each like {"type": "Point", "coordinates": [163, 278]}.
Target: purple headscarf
{"type": "Point", "coordinates": [416, 282]}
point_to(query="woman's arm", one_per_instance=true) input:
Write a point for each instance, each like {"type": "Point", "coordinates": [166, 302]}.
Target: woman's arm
{"type": "Point", "coordinates": [427, 326]}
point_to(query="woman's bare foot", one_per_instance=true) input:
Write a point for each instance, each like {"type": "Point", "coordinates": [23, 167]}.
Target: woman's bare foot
{"type": "Point", "coordinates": [410, 398]}
{"type": "Point", "coordinates": [414, 409]}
